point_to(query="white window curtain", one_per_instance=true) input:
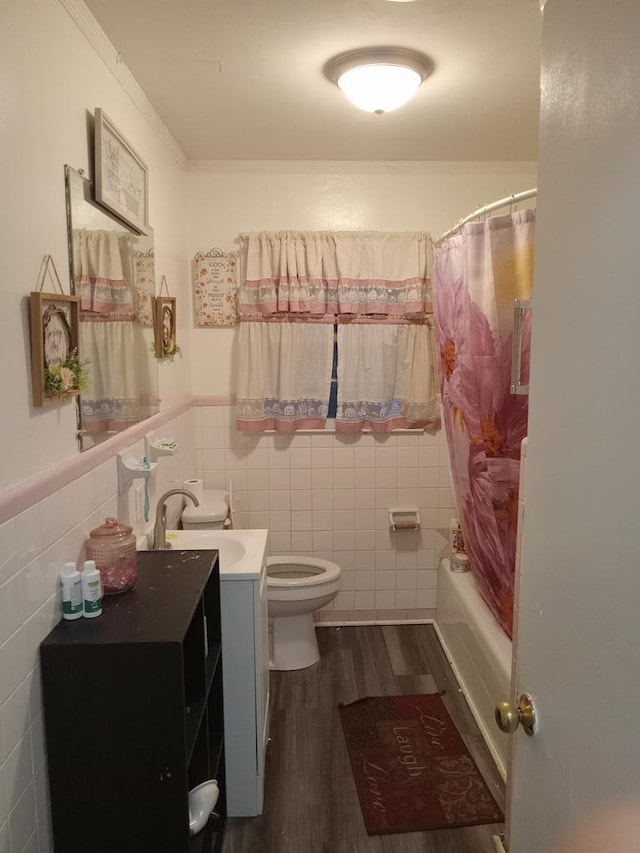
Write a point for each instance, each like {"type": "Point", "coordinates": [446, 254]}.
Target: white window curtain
{"type": "Point", "coordinates": [108, 334]}
{"type": "Point", "coordinates": [375, 286]}
{"type": "Point", "coordinates": [284, 374]}
{"type": "Point", "coordinates": [386, 378]}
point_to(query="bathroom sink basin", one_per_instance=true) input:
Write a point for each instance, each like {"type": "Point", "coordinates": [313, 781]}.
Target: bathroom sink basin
{"type": "Point", "coordinates": [231, 549]}
{"type": "Point", "coordinates": [242, 552]}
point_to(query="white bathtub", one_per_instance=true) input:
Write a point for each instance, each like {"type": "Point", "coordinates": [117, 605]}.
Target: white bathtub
{"type": "Point", "coordinates": [479, 652]}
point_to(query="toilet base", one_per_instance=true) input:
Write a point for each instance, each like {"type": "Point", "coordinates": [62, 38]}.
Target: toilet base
{"type": "Point", "coordinates": [293, 643]}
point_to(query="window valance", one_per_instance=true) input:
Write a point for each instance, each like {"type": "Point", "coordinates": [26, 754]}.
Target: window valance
{"type": "Point", "coordinates": [332, 273]}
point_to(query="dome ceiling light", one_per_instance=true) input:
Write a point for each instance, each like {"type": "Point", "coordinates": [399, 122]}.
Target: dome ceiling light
{"type": "Point", "coordinates": [379, 79]}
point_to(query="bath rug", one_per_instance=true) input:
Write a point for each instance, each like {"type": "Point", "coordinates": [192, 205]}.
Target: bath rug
{"type": "Point", "coordinates": [411, 767]}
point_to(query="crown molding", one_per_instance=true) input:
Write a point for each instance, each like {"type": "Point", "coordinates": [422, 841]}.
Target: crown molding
{"type": "Point", "coordinates": [365, 167]}
{"type": "Point", "coordinates": [95, 35]}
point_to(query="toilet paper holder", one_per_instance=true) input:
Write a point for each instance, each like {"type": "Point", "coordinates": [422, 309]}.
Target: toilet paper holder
{"type": "Point", "coordinates": [404, 519]}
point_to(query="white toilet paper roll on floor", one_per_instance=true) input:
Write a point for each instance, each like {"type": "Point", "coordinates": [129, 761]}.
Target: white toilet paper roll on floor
{"type": "Point", "coordinates": [196, 487]}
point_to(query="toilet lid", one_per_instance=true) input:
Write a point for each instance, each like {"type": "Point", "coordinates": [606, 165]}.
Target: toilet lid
{"type": "Point", "coordinates": [213, 508]}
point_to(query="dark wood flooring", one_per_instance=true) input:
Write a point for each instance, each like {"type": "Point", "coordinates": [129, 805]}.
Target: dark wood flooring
{"type": "Point", "coordinates": [311, 804]}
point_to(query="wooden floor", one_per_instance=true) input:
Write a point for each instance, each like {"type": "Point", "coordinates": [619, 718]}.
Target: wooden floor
{"type": "Point", "coordinates": [311, 804]}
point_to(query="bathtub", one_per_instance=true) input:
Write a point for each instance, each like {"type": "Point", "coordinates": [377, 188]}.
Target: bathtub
{"type": "Point", "coordinates": [479, 652]}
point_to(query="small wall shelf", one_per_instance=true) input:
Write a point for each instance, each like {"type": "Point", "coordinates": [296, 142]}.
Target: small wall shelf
{"type": "Point", "coordinates": [154, 448]}
{"type": "Point", "coordinates": [132, 469]}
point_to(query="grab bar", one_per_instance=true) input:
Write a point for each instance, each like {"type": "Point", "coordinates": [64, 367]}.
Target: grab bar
{"type": "Point", "coordinates": [519, 307]}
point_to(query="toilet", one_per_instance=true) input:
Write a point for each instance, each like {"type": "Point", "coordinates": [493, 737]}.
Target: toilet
{"type": "Point", "coordinates": [296, 586]}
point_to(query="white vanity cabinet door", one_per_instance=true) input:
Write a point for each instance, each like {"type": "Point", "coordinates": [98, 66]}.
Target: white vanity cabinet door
{"type": "Point", "coordinates": [245, 672]}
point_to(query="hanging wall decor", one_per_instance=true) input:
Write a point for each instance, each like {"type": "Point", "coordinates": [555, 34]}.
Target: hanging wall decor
{"type": "Point", "coordinates": [214, 288]}
{"type": "Point", "coordinates": [120, 174]}
{"type": "Point", "coordinates": [57, 373]}
{"type": "Point", "coordinates": [145, 285]}
{"type": "Point", "coordinates": [164, 325]}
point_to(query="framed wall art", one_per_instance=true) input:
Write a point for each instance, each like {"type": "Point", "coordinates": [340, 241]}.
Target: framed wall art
{"type": "Point", "coordinates": [56, 370]}
{"type": "Point", "coordinates": [121, 176]}
{"type": "Point", "coordinates": [165, 327]}
{"type": "Point", "coordinates": [214, 288]}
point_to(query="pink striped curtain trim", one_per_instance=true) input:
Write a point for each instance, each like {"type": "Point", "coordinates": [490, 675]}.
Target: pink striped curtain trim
{"type": "Point", "coordinates": [106, 312]}
{"type": "Point", "coordinates": [419, 317]}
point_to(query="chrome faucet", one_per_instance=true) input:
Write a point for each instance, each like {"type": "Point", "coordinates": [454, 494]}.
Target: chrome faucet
{"type": "Point", "coordinates": [160, 527]}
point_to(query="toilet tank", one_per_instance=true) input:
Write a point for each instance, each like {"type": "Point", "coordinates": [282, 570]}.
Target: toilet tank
{"type": "Point", "coordinates": [210, 515]}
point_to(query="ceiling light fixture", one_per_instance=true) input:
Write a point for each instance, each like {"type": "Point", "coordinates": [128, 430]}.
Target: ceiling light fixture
{"type": "Point", "coordinates": [379, 79]}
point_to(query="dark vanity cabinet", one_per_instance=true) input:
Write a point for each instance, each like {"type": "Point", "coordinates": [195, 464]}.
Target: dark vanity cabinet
{"type": "Point", "coordinates": [133, 713]}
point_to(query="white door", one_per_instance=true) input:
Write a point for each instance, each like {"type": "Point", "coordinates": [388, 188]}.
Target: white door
{"type": "Point", "coordinates": [578, 628]}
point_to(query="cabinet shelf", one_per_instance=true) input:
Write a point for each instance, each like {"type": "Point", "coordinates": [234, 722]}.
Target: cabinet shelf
{"type": "Point", "coordinates": [146, 702]}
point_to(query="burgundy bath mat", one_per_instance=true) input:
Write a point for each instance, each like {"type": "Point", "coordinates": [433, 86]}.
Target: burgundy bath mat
{"type": "Point", "coordinates": [411, 767]}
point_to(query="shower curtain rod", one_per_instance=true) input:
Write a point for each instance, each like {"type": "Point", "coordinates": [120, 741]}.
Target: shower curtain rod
{"type": "Point", "coordinates": [487, 208]}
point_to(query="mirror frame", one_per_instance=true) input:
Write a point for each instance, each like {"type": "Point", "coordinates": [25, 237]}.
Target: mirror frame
{"type": "Point", "coordinates": [85, 440]}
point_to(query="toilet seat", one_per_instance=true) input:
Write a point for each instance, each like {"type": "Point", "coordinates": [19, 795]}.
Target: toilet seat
{"type": "Point", "coordinates": [317, 572]}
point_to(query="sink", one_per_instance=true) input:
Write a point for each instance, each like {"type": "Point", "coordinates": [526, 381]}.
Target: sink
{"type": "Point", "coordinates": [241, 552]}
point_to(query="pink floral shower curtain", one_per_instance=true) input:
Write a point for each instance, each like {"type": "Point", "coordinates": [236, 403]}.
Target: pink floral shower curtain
{"type": "Point", "coordinates": [478, 273]}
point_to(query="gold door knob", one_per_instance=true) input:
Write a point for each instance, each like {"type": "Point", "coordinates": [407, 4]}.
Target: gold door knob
{"type": "Point", "coordinates": [510, 716]}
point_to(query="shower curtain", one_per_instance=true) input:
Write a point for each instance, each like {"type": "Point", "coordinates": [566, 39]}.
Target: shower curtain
{"type": "Point", "coordinates": [478, 273]}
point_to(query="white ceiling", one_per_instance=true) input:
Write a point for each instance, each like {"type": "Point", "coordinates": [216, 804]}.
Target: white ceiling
{"type": "Point", "coordinates": [243, 79]}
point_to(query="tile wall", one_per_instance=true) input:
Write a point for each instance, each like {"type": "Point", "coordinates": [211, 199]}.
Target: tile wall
{"type": "Point", "coordinates": [33, 546]}
{"type": "Point", "coordinates": [328, 496]}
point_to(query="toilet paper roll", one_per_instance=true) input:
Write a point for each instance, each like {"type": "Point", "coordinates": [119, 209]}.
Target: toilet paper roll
{"type": "Point", "coordinates": [196, 487]}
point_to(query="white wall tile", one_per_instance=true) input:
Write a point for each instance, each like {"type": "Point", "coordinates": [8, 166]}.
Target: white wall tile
{"type": "Point", "coordinates": [385, 600]}
{"type": "Point", "coordinates": [345, 559]}
{"type": "Point", "coordinates": [365, 560]}
{"type": "Point", "coordinates": [405, 598]}
{"type": "Point", "coordinates": [343, 498]}
{"type": "Point", "coordinates": [13, 604]}
{"type": "Point", "coordinates": [300, 457]}
{"type": "Point", "coordinates": [280, 542]}
{"type": "Point", "coordinates": [14, 714]}
{"type": "Point", "coordinates": [301, 479]}
{"type": "Point", "coordinates": [301, 498]}
{"type": "Point", "coordinates": [344, 478]}
{"type": "Point", "coordinates": [29, 533]}
{"type": "Point", "coordinates": [14, 663]}
{"type": "Point", "coordinates": [344, 540]}
{"type": "Point", "coordinates": [9, 561]}
{"type": "Point", "coordinates": [364, 600]}
{"type": "Point", "coordinates": [300, 519]}
{"type": "Point", "coordinates": [258, 479]}
{"type": "Point", "coordinates": [279, 520]}
{"type": "Point", "coordinates": [322, 519]}
{"type": "Point", "coordinates": [301, 542]}
{"type": "Point", "coordinates": [322, 499]}
{"type": "Point", "coordinates": [22, 820]}
{"type": "Point", "coordinates": [344, 519]}
{"type": "Point", "coordinates": [279, 478]}
{"type": "Point", "coordinates": [322, 540]}
{"type": "Point", "coordinates": [280, 499]}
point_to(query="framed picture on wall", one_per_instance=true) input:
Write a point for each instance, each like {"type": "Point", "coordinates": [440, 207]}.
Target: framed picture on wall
{"type": "Point", "coordinates": [165, 327]}
{"type": "Point", "coordinates": [56, 371]}
{"type": "Point", "coordinates": [121, 176]}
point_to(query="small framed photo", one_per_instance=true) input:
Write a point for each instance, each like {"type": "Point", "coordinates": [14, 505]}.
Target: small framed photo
{"type": "Point", "coordinates": [121, 176]}
{"type": "Point", "coordinates": [166, 345]}
{"type": "Point", "coordinates": [56, 370]}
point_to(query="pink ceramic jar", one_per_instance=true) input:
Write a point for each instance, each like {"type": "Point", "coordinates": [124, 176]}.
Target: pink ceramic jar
{"type": "Point", "coordinates": [113, 547]}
